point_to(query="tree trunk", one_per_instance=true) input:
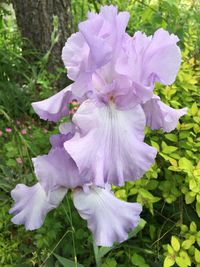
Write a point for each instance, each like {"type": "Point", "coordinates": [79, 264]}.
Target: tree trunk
{"type": "Point", "coordinates": [35, 21]}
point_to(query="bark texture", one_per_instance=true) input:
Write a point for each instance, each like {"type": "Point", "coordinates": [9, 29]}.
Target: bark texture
{"type": "Point", "coordinates": [35, 21]}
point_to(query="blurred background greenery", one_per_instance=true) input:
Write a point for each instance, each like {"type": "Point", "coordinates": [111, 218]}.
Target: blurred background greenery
{"type": "Point", "coordinates": [169, 191]}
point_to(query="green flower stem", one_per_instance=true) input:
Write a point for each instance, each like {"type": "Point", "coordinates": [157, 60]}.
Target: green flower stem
{"type": "Point", "coordinates": [69, 217]}
{"type": "Point", "coordinates": [97, 255]}
{"type": "Point", "coordinates": [73, 231]}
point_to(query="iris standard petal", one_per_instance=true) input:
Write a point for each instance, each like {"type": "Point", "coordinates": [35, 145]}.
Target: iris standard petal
{"type": "Point", "coordinates": [100, 50]}
{"type": "Point", "coordinates": [103, 41]}
{"type": "Point", "coordinates": [95, 47]}
{"type": "Point", "coordinates": [161, 116]}
{"type": "Point", "coordinates": [32, 204]}
{"type": "Point", "coordinates": [110, 145]}
{"type": "Point", "coordinates": [162, 58]}
{"type": "Point", "coordinates": [109, 218]}
{"type": "Point", "coordinates": [149, 59]}
{"type": "Point", "coordinates": [75, 55]}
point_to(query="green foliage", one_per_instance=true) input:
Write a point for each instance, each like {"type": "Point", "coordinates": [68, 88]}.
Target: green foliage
{"type": "Point", "coordinates": [185, 250]}
{"type": "Point", "coordinates": [65, 262]}
{"type": "Point", "coordinates": [24, 75]}
{"type": "Point", "coordinates": [169, 191]}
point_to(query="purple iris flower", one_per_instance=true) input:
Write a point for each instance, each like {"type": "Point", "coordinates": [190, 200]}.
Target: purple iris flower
{"type": "Point", "coordinates": [113, 76]}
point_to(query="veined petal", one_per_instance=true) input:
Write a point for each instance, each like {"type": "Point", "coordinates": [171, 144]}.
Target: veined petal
{"type": "Point", "coordinates": [98, 207]}
{"type": "Point", "coordinates": [150, 59]}
{"type": "Point", "coordinates": [57, 169]}
{"type": "Point", "coordinates": [110, 147]}
{"type": "Point", "coordinates": [163, 57]}
{"type": "Point", "coordinates": [32, 204]}
{"type": "Point", "coordinates": [103, 41]}
{"type": "Point", "coordinates": [94, 49]}
{"type": "Point", "coordinates": [54, 107]}
{"type": "Point", "coordinates": [75, 55]}
{"type": "Point", "coordinates": [161, 116]}
{"type": "Point", "coordinates": [100, 50]}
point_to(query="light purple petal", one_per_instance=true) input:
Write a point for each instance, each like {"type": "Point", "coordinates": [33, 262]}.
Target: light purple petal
{"type": "Point", "coordinates": [82, 84]}
{"type": "Point", "coordinates": [163, 57]}
{"type": "Point", "coordinates": [55, 107]}
{"type": "Point", "coordinates": [124, 92]}
{"type": "Point", "coordinates": [120, 91]}
{"type": "Point", "coordinates": [75, 55]}
{"type": "Point", "coordinates": [110, 147]}
{"type": "Point", "coordinates": [161, 116]}
{"type": "Point", "coordinates": [109, 218]}
{"type": "Point", "coordinates": [121, 19]}
{"type": "Point", "coordinates": [100, 50]}
{"type": "Point", "coordinates": [109, 13]}
{"type": "Point", "coordinates": [104, 33]}
{"type": "Point", "coordinates": [142, 92]}
{"type": "Point", "coordinates": [67, 128]}
{"type": "Point", "coordinates": [94, 48]}
{"type": "Point", "coordinates": [146, 60]}
{"type": "Point", "coordinates": [116, 21]}
{"type": "Point", "coordinates": [32, 204]}
{"type": "Point", "coordinates": [131, 58]}
{"type": "Point", "coordinates": [67, 131]}
{"type": "Point", "coordinates": [57, 140]}
{"type": "Point", "coordinates": [130, 64]}
{"type": "Point", "coordinates": [57, 169]}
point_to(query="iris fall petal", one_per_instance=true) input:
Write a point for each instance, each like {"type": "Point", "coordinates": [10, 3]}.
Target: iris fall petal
{"type": "Point", "coordinates": [98, 207]}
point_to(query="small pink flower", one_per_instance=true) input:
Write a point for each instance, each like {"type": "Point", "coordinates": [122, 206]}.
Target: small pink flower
{"type": "Point", "coordinates": [18, 122]}
{"type": "Point", "coordinates": [45, 130]}
{"type": "Point", "coordinates": [1, 133]}
{"type": "Point", "coordinates": [8, 130]}
{"type": "Point", "coordinates": [19, 160]}
{"type": "Point", "coordinates": [23, 131]}
{"type": "Point", "coordinates": [30, 128]}
{"type": "Point", "coordinates": [31, 137]}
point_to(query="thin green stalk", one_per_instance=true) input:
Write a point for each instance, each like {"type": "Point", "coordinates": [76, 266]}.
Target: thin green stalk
{"type": "Point", "coordinates": [69, 216]}
{"type": "Point", "coordinates": [68, 231]}
{"type": "Point", "coordinates": [96, 255]}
